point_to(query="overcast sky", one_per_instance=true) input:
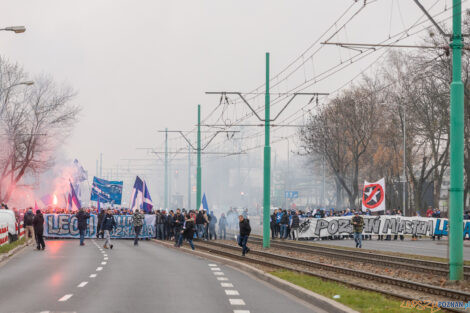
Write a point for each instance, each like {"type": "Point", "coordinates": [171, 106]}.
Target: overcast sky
{"type": "Point", "coordinates": [142, 65]}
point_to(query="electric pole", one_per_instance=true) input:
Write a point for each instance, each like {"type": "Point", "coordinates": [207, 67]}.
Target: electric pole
{"type": "Point", "coordinates": [267, 148]}
{"type": "Point", "coordinates": [456, 150]}
{"type": "Point", "coordinates": [166, 170]}
{"type": "Point", "coordinates": [199, 169]}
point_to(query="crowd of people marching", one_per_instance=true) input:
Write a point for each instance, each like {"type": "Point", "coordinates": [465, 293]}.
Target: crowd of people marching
{"type": "Point", "coordinates": [182, 225]}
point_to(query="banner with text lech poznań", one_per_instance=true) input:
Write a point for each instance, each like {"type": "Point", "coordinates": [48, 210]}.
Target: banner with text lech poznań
{"type": "Point", "coordinates": [65, 226]}
{"type": "Point", "coordinates": [377, 225]}
{"type": "Point", "coordinates": [106, 191]}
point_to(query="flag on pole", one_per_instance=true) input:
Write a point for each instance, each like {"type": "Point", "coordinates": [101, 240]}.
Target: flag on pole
{"type": "Point", "coordinates": [35, 206]}
{"type": "Point", "coordinates": [141, 196]}
{"type": "Point", "coordinates": [69, 202]}
{"type": "Point", "coordinates": [204, 205]}
{"type": "Point", "coordinates": [74, 197]}
{"type": "Point", "coordinates": [373, 196]}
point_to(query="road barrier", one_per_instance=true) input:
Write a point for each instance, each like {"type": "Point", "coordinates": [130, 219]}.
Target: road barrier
{"type": "Point", "coordinates": [3, 234]}
{"type": "Point", "coordinates": [20, 229]}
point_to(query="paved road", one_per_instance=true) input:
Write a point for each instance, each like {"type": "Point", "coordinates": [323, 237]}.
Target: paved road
{"type": "Point", "coordinates": [147, 278]}
{"type": "Point", "coordinates": [422, 247]}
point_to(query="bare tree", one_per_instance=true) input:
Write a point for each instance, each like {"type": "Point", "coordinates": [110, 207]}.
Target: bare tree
{"type": "Point", "coordinates": [342, 132]}
{"type": "Point", "coordinates": [34, 121]}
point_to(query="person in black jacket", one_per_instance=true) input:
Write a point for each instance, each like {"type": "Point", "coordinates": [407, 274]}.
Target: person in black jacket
{"type": "Point", "coordinates": [178, 221]}
{"type": "Point", "coordinates": [284, 223]}
{"type": "Point", "coordinates": [82, 224]}
{"type": "Point", "coordinates": [28, 226]}
{"type": "Point", "coordinates": [294, 225]}
{"type": "Point", "coordinates": [38, 224]}
{"type": "Point", "coordinates": [245, 230]}
{"type": "Point", "coordinates": [273, 224]}
{"type": "Point", "coordinates": [98, 226]}
{"type": "Point", "coordinates": [187, 232]}
{"type": "Point", "coordinates": [107, 226]}
{"type": "Point", "coordinates": [200, 224]}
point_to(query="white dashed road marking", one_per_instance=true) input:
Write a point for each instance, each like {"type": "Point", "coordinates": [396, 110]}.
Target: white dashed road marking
{"type": "Point", "coordinates": [222, 278]}
{"type": "Point", "coordinates": [66, 297]}
{"type": "Point", "coordinates": [211, 265]}
{"type": "Point", "coordinates": [105, 258]}
{"type": "Point", "coordinates": [226, 285]}
{"type": "Point", "coordinates": [231, 292]}
{"type": "Point", "coordinates": [241, 311]}
{"type": "Point", "coordinates": [82, 284]}
{"type": "Point", "coordinates": [103, 263]}
{"type": "Point", "coordinates": [219, 273]}
{"type": "Point", "coordinates": [99, 268]}
{"type": "Point", "coordinates": [92, 275]}
{"type": "Point", "coordinates": [215, 269]}
{"type": "Point", "coordinates": [236, 301]}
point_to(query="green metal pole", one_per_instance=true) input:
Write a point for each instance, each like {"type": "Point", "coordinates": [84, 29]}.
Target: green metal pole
{"type": "Point", "coordinates": [267, 162]}
{"type": "Point", "coordinates": [199, 174]}
{"type": "Point", "coordinates": [166, 169]}
{"type": "Point", "coordinates": [456, 150]}
{"type": "Point", "coordinates": [189, 177]}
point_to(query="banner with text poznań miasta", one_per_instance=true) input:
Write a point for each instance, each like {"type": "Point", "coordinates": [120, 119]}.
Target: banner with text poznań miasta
{"type": "Point", "coordinates": [377, 225]}
{"type": "Point", "coordinates": [65, 226]}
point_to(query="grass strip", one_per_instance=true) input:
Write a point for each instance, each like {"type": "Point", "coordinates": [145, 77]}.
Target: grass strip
{"type": "Point", "coordinates": [9, 246]}
{"type": "Point", "coordinates": [360, 300]}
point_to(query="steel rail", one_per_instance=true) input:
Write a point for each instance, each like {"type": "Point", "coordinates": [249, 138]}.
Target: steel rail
{"type": "Point", "coordinates": [438, 291]}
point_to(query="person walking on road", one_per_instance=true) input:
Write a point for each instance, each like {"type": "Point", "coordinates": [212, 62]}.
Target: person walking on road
{"type": "Point", "coordinates": [28, 226]}
{"type": "Point", "coordinates": [107, 226]}
{"type": "Point", "coordinates": [178, 221]}
{"type": "Point", "coordinates": [187, 232]}
{"type": "Point", "coordinates": [38, 224]}
{"type": "Point", "coordinates": [358, 225]}
{"type": "Point", "coordinates": [99, 231]}
{"type": "Point", "coordinates": [245, 230]}
{"type": "Point", "coordinates": [138, 221]}
{"type": "Point", "coordinates": [82, 222]}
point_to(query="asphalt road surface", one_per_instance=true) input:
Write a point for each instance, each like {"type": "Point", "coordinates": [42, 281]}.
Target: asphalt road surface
{"type": "Point", "coordinates": [148, 278]}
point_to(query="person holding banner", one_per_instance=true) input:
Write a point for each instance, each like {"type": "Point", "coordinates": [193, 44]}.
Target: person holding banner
{"type": "Point", "coordinates": [358, 225]}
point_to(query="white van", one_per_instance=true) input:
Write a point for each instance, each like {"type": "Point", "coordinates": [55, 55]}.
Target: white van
{"type": "Point", "coordinates": [8, 217]}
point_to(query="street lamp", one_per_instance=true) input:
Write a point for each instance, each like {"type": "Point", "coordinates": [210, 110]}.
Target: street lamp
{"type": "Point", "coordinates": [15, 29]}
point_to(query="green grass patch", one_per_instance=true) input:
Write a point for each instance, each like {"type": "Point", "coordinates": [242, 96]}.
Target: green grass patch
{"type": "Point", "coordinates": [10, 246]}
{"type": "Point", "coordinates": [359, 300]}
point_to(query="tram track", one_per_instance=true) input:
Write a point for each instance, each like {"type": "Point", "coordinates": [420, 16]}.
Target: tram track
{"type": "Point", "coordinates": [289, 263]}
{"type": "Point", "coordinates": [397, 262]}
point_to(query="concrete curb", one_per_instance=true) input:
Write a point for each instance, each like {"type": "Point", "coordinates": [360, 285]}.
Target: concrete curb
{"type": "Point", "coordinates": [306, 295]}
{"type": "Point", "coordinates": [5, 256]}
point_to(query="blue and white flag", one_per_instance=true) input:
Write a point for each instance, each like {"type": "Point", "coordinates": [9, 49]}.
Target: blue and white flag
{"type": "Point", "coordinates": [75, 199]}
{"type": "Point", "coordinates": [204, 205]}
{"type": "Point", "coordinates": [140, 198]}
{"type": "Point", "coordinates": [106, 191]}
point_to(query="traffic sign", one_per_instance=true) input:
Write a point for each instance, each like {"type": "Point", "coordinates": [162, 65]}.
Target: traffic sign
{"type": "Point", "coordinates": [291, 194]}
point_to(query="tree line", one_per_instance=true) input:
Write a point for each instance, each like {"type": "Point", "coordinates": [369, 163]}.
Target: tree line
{"type": "Point", "coordinates": [35, 118]}
{"type": "Point", "coordinates": [401, 109]}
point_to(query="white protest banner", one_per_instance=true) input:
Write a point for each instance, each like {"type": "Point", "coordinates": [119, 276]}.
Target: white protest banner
{"type": "Point", "coordinates": [377, 225]}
